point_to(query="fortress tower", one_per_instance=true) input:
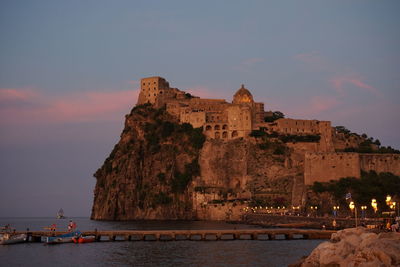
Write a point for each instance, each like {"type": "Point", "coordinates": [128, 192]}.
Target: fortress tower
{"type": "Point", "coordinates": [151, 88]}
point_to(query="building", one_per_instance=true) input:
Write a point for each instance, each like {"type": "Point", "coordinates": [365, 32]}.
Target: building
{"type": "Point", "coordinates": [221, 119]}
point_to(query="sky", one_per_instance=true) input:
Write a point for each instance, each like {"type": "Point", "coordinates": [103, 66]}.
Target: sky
{"type": "Point", "coordinates": [70, 71]}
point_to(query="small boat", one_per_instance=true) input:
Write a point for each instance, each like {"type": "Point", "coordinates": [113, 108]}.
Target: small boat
{"type": "Point", "coordinates": [60, 214]}
{"type": "Point", "coordinates": [8, 239]}
{"type": "Point", "coordinates": [64, 238]}
{"type": "Point", "coordinates": [84, 239]}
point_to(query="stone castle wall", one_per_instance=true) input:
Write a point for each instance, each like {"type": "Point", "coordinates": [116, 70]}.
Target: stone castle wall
{"type": "Point", "coordinates": [380, 163]}
{"type": "Point", "coordinates": [306, 127]}
{"type": "Point", "coordinates": [323, 167]}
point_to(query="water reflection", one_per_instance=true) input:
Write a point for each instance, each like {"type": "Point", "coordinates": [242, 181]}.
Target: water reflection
{"type": "Point", "coordinates": [152, 253]}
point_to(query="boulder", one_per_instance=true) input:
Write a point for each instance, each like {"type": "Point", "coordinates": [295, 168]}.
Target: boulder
{"type": "Point", "coordinates": [357, 247]}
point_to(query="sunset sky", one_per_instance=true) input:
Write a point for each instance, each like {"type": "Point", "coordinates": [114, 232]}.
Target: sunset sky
{"type": "Point", "coordinates": [69, 72]}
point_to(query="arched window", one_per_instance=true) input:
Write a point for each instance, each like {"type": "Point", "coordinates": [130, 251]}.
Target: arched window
{"type": "Point", "coordinates": [234, 134]}
{"type": "Point", "coordinates": [217, 135]}
{"type": "Point", "coordinates": [217, 127]}
{"type": "Point", "coordinates": [225, 135]}
{"type": "Point", "coordinates": [208, 128]}
{"type": "Point", "coordinates": [224, 127]}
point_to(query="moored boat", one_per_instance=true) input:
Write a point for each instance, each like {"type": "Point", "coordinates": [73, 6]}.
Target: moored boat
{"type": "Point", "coordinates": [8, 239]}
{"type": "Point", "coordinates": [60, 214]}
{"type": "Point", "coordinates": [64, 238]}
{"type": "Point", "coordinates": [84, 239]}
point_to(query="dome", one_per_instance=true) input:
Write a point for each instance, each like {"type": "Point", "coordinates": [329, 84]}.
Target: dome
{"type": "Point", "coordinates": [242, 96]}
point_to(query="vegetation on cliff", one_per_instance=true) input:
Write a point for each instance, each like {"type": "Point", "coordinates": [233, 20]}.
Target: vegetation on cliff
{"type": "Point", "coordinates": [150, 167]}
{"type": "Point", "coordinates": [273, 116]}
{"type": "Point", "coordinates": [365, 144]}
{"type": "Point", "coordinates": [370, 185]}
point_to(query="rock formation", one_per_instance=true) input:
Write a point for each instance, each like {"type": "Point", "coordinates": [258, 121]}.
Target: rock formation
{"type": "Point", "coordinates": [163, 167]}
{"type": "Point", "coordinates": [357, 247]}
{"type": "Point", "coordinates": [164, 170]}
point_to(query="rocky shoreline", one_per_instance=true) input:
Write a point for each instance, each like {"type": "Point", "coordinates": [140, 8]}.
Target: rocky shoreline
{"type": "Point", "coordinates": [355, 247]}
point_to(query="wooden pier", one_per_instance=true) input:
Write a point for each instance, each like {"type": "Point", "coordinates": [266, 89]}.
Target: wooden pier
{"type": "Point", "coordinates": [195, 235]}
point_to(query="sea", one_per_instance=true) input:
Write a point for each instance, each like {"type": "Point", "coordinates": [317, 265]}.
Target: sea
{"type": "Point", "coordinates": [149, 253]}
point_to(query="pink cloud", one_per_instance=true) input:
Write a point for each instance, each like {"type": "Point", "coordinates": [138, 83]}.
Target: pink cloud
{"type": "Point", "coordinates": [10, 94]}
{"type": "Point", "coordinates": [19, 105]}
{"type": "Point", "coordinates": [339, 84]}
{"type": "Point", "coordinates": [323, 103]}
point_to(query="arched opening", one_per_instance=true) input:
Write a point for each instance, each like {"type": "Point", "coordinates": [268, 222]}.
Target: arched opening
{"type": "Point", "coordinates": [224, 127]}
{"type": "Point", "coordinates": [217, 127]}
{"type": "Point", "coordinates": [208, 128]}
{"type": "Point", "coordinates": [234, 134]}
{"type": "Point", "coordinates": [217, 135]}
{"type": "Point", "coordinates": [225, 135]}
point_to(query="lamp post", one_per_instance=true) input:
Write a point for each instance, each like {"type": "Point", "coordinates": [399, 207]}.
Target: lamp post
{"type": "Point", "coordinates": [363, 208]}
{"type": "Point", "coordinates": [352, 206]}
{"type": "Point", "coordinates": [374, 205]}
{"type": "Point", "coordinates": [388, 200]}
{"type": "Point", "coordinates": [391, 204]}
{"type": "Point", "coordinates": [335, 211]}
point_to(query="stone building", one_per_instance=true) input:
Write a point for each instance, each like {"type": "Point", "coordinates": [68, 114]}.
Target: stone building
{"type": "Point", "coordinates": [219, 119]}
{"type": "Point", "coordinates": [223, 120]}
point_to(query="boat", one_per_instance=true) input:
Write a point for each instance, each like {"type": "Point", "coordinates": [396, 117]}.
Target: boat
{"type": "Point", "coordinates": [60, 214]}
{"type": "Point", "coordinates": [8, 238]}
{"type": "Point", "coordinates": [84, 239]}
{"type": "Point", "coordinates": [64, 238]}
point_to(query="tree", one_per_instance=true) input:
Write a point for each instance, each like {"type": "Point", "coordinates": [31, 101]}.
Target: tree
{"type": "Point", "coordinates": [275, 115]}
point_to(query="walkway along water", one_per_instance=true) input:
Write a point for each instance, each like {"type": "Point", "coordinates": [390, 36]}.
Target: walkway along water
{"type": "Point", "coordinates": [198, 235]}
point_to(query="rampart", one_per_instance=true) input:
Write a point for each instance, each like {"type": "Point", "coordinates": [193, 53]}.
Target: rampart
{"type": "Point", "coordinates": [323, 167]}
{"type": "Point", "coordinates": [380, 163]}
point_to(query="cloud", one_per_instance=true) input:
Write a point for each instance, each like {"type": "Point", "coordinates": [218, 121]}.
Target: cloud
{"type": "Point", "coordinates": [323, 103]}
{"type": "Point", "coordinates": [8, 94]}
{"type": "Point", "coordinates": [28, 105]}
{"type": "Point", "coordinates": [341, 83]}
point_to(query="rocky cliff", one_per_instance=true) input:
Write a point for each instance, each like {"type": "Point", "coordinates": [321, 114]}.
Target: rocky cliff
{"type": "Point", "coordinates": [164, 170]}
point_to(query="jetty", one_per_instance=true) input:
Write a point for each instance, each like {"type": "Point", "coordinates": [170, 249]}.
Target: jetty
{"type": "Point", "coordinates": [195, 235]}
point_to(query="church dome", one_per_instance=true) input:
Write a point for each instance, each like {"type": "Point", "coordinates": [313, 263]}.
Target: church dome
{"type": "Point", "coordinates": [242, 96]}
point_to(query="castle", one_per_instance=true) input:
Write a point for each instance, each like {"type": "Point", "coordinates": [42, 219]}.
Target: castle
{"type": "Point", "coordinates": [223, 120]}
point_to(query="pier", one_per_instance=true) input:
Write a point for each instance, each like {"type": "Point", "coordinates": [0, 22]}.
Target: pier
{"type": "Point", "coordinates": [195, 235]}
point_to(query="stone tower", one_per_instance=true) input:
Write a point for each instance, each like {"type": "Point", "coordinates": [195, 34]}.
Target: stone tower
{"type": "Point", "coordinates": [151, 88]}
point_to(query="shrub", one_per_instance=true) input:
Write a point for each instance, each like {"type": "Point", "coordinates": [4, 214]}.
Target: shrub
{"type": "Point", "coordinates": [257, 133]}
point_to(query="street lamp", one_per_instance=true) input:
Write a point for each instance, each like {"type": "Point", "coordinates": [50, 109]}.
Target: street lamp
{"type": "Point", "coordinates": [388, 200]}
{"type": "Point", "coordinates": [363, 208]}
{"type": "Point", "coordinates": [335, 211]}
{"type": "Point", "coordinates": [374, 205]}
{"type": "Point", "coordinates": [352, 206]}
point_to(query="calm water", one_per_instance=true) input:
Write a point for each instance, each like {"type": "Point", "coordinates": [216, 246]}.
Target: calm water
{"type": "Point", "coordinates": [158, 253]}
